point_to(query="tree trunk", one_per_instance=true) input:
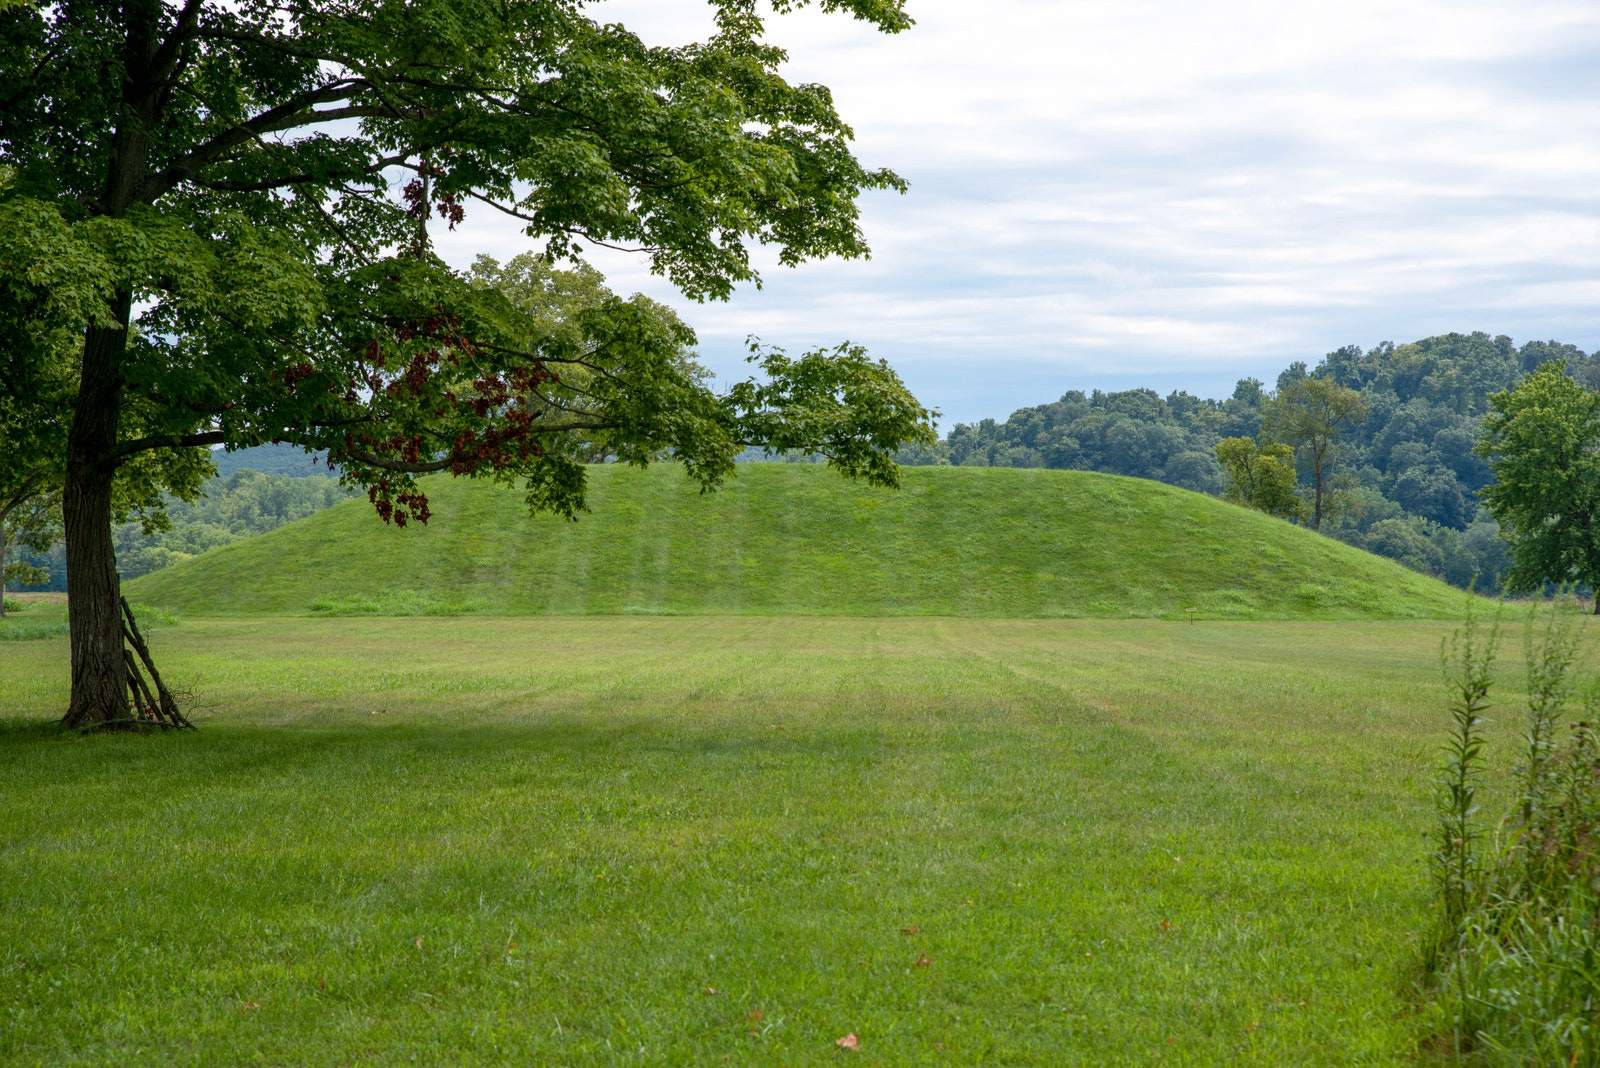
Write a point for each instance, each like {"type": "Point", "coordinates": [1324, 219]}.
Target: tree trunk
{"type": "Point", "coordinates": [2, 567]}
{"type": "Point", "coordinates": [1316, 478]}
{"type": "Point", "coordinates": [94, 611]}
{"type": "Point", "coordinates": [94, 598]}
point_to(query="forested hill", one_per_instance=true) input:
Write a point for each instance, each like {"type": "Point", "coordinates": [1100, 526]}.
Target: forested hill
{"type": "Point", "coordinates": [289, 460]}
{"type": "Point", "coordinates": [1408, 477]}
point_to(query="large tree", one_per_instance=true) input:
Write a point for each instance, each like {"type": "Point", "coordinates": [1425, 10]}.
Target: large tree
{"type": "Point", "coordinates": [1310, 414]}
{"type": "Point", "coordinates": [227, 202]}
{"type": "Point", "coordinates": [1543, 441]}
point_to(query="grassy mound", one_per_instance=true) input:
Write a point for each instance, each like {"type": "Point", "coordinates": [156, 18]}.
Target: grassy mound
{"type": "Point", "coordinates": [797, 539]}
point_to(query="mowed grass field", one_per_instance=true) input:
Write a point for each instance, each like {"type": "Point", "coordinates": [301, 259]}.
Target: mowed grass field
{"type": "Point", "coordinates": [796, 539]}
{"type": "Point", "coordinates": [727, 840]}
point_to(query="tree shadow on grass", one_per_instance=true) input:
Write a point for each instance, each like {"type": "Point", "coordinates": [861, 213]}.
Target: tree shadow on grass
{"type": "Point", "coordinates": [219, 751]}
{"type": "Point", "coordinates": [16, 730]}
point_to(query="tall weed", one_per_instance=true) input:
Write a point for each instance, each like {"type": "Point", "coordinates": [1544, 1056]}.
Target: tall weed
{"type": "Point", "coordinates": [1516, 963]}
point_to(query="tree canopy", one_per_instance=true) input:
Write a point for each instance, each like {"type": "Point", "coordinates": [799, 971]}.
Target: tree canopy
{"type": "Point", "coordinates": [1310, 414]}
{"type": "Point", "coordinates": [223, 210]}
{"type": "Point", "coordinates": [1260, 475]}
{"type": "Point", "coordinates": [1408, 463]}
{"type": "Point", "coordinates": [1543, 442]}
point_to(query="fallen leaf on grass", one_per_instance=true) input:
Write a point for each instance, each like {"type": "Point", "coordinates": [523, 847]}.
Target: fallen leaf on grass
{"type": "Point", "coordinates": [1166, 925]}
{"type": "Point", "coordinates": [419, 941]}
{"type": "Point", "coordinates": [711, 991]}
{"type": "Point", "coordinates": [248, 1006]}
{"type": "Point", "coordinates": [924, 961]}
{"type": "Point", "coordinates": [849, 1042]}
{"type": "Point", "coordinates": [756, 1015]}
{"type": "Point", "coordinates": [909, 931]}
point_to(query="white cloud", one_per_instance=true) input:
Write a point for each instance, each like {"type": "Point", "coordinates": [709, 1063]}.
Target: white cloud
{"type": "Point", "coordinates": [1180, 194]}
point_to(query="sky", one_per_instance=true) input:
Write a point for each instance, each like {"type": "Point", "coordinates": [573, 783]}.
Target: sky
{"type": "Point", "coordinates": [1175, 195]}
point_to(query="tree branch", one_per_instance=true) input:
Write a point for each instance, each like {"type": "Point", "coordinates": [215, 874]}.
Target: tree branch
{"type": "Point", "coordinates": [298, 111]}
{"type": "Point", "coordinates": [222, 185]}
{"type": "Point", "coordinates": [165, 61]}
{"type": "Point", "coordinates": [576, 231]}
{"type": "Point", "coordinates": [383, 463]}
{"type": "Point", "coordinates": [167, 441]}
{"type": "Point", "coordinates": [424, 467]}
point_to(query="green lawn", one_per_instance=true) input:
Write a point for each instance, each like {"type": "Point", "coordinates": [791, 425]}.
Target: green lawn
{"type": "Point", "coordinates": [728, 840]}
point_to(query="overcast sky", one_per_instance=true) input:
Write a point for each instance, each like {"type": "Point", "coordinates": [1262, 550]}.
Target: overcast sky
{"type": "Point", "coordinates": [1176, 194]}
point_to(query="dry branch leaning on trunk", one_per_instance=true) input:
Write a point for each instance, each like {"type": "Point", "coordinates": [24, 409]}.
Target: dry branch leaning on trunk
{"type": "Point", "coordinates": [153, 703]}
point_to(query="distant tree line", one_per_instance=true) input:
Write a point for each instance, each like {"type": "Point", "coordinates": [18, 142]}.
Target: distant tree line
{"type": "Point", "coordinates": [235, 505]}
{"type": "Point", "coordinates": [1400, 477]}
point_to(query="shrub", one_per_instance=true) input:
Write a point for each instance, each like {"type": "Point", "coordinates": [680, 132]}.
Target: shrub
{"type": "Point", "coordinates": [1516, 964]}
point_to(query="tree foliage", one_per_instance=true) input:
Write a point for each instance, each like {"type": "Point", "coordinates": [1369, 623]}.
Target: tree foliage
{"type": "Point", "coordinates": [291, 291]}
{"type": "Point", "coordinates": [1260, 475]}
{"type": "Point", "coordinates": [224, 209]}
{"type": "Point", "coordinates": [1542, 440]}
{"type": "Point", "coordinates": [1409, 463]}
{"type": "Point", "coordinates": [32, 444]}
{"type": "Point", "coordinates": [28, 521]}
{"type": "Point", "coordinates": [1310, 414]}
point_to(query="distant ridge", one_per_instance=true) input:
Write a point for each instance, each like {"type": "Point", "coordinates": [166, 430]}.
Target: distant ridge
{"type": "Point", "coordinates": [797, 539]}
{"type": "Point", "coordinates": [270, 460]}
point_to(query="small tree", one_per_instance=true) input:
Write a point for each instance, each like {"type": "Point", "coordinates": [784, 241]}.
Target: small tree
{"type": "Point", "coordinates": [1310, 414]}
{"type": "Point", "coordinates": [1260, 475]}
{"type": "Point", "coordinates": [1542, 440]}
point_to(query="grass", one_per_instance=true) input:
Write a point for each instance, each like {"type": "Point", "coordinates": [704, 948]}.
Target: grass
{"type": "Point", "coordinates": [794, 539]}
{"type": "Point", "coordinates": [32, 616]}
{"type": "Point", "coordinates": [44, 615]}
{"type": "Point", "coordinates": [729, 840]}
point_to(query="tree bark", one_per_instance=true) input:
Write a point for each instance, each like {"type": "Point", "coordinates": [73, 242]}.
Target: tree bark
{"type": "Point", "coordinates": [94, 595]}
{"type": "Point", "coordinates": [2, 566]}
{"type": "Point", "coordinates": [94, 607]}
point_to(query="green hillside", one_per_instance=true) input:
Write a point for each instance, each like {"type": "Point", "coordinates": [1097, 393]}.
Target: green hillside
{"type": "Point", "coordinates": [793, 538]}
